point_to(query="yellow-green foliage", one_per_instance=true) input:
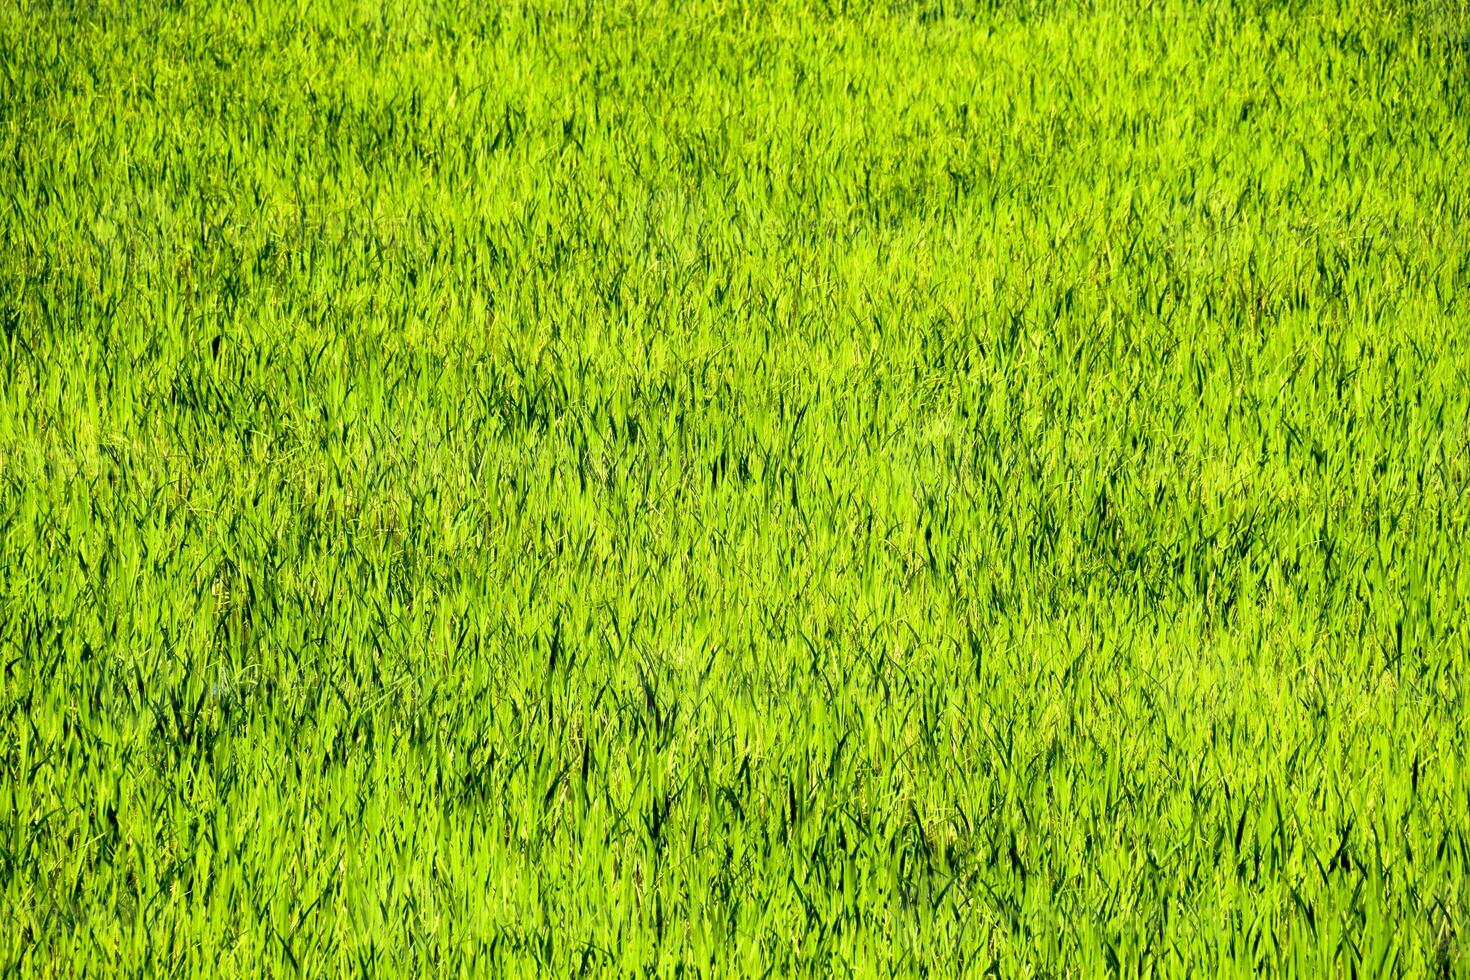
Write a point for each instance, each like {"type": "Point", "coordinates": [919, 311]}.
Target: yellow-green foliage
{"type": "Point", "coordinates": [812, 487]}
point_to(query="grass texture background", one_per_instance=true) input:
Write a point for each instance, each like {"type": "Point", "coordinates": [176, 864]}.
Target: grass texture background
{"type": "Point", "coordinates": [732, 488]}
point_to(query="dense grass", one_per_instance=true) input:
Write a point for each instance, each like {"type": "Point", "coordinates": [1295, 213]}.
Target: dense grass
{"type": "Point", "coordinates": [827, 488]}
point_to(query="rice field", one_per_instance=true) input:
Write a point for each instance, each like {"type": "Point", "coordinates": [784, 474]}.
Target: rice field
{"type": "Point", "coordinates": [737, 487]}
